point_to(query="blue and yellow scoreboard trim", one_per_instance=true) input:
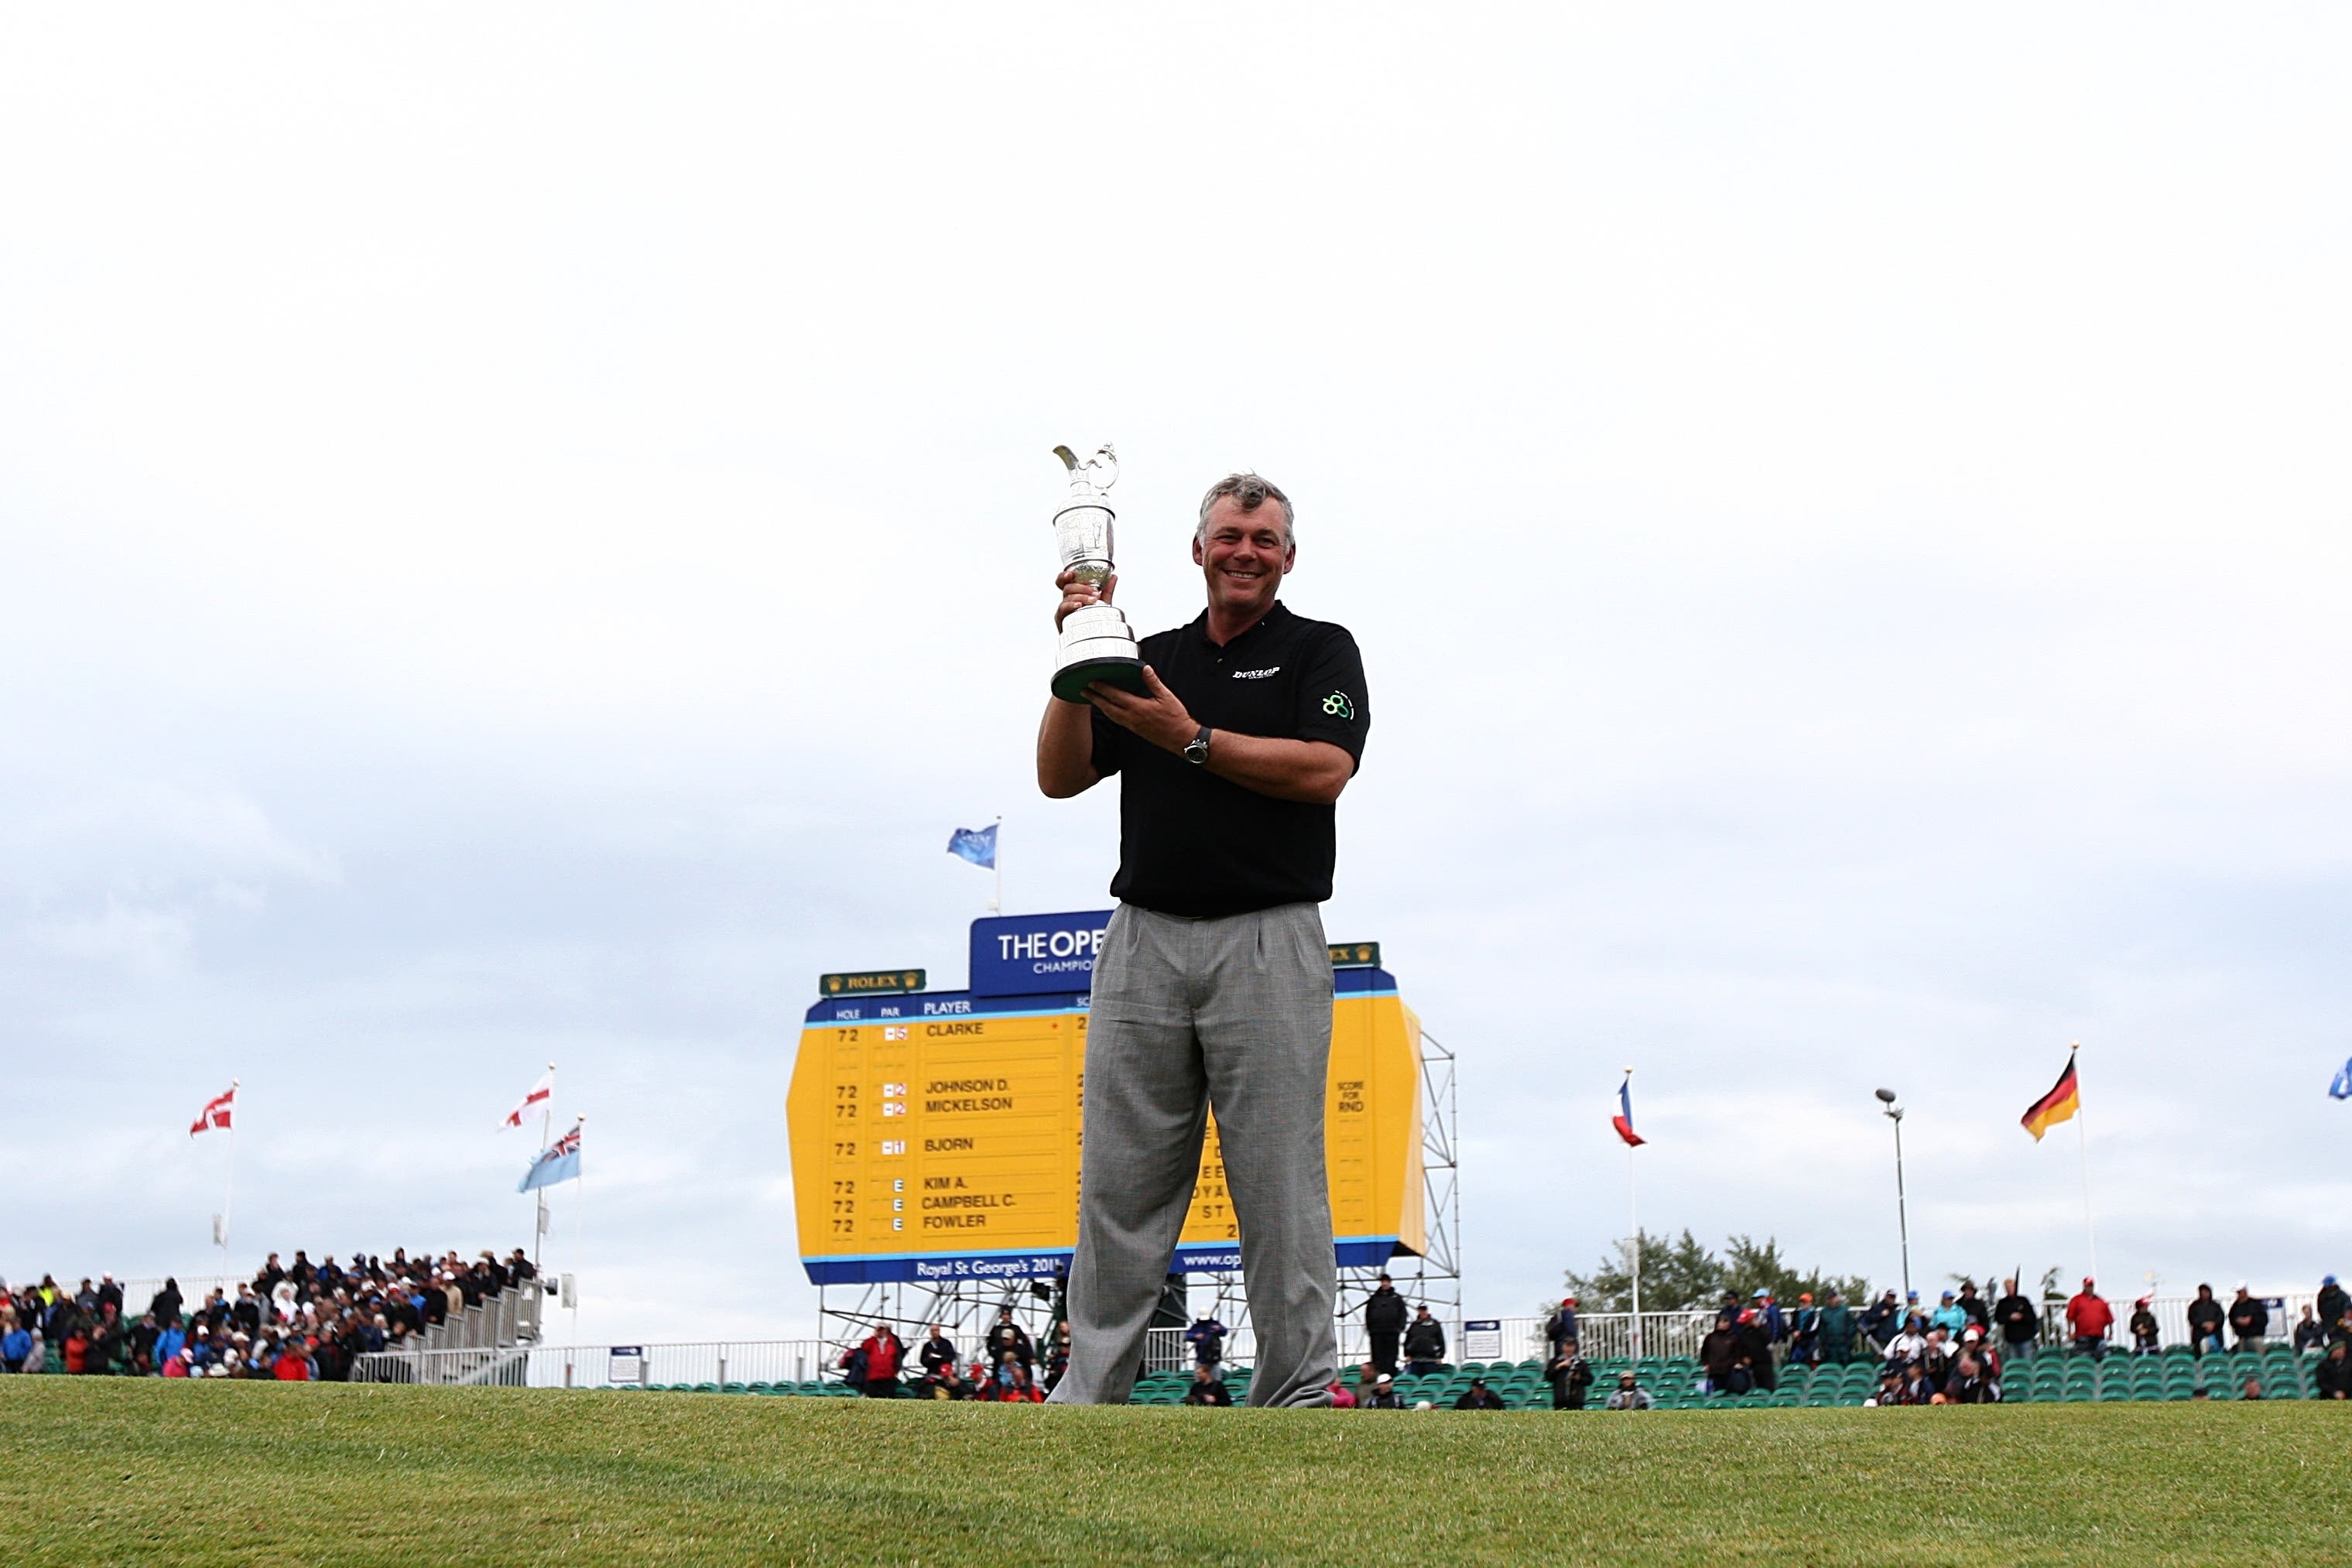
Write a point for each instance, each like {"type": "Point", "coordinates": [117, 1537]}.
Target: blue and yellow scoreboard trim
{"type": "Point", "coordinates": [935, 1136]}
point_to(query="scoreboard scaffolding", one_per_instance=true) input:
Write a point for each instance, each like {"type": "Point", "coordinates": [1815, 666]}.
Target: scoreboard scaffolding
{"type": "Point", "coordinates": [935, 1137]}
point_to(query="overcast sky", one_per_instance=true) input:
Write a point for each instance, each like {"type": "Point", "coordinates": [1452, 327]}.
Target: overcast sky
{"type": "Point", "coordinates": [522, 531]}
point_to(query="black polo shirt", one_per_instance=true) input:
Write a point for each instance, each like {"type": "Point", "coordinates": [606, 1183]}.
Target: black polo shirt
{"type": "Point", "coordinates": [1190, 843]}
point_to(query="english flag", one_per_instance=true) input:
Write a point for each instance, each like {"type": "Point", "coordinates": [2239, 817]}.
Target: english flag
{"type": "Point", "coordinates": [541, 1093]}
{"type": "Point", "coordinates": [1624, 1119]}
{"type": "Point", "coordinates": [216, 1112]}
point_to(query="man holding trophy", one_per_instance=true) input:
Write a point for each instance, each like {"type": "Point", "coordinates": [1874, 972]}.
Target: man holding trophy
{"type": "Point", "coordinates": [1235, 736]}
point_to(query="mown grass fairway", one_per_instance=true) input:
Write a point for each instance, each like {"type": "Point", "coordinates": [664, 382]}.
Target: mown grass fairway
{"type": "Point", "coordinates": [122, 1471]}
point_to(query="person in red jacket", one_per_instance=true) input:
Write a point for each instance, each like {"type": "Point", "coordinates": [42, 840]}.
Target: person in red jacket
{"type": "Point", "coordinates": [884, 1350]}
{"type": "Point", "coordinates": [293, 1365]}
{"type": "Point", "coordinates": [2088, 1319]}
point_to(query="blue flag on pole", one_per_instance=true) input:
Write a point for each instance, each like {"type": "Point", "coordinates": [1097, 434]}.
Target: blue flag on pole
{"type": "Point", "coordinates": [2342, 1088]}
{"type": "Point", "coordinates": [977, 845]}
{"type": "Point", "coordinates": [559, 1162]}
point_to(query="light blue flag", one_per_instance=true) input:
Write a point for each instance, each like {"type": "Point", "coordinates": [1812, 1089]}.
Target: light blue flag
{"type": "Point", "coordinates": [2342, 1088]}
{"type": "Point", "coordinates": [977, 845]}
{"type": "Point", "coordinates": [559, 1162]}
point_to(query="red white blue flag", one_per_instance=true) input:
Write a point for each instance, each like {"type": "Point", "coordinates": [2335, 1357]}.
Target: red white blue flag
{"type": "Point", "coordinates": [1624, 1119]}
{"type": "Point", "coordinates": [559, 1162]}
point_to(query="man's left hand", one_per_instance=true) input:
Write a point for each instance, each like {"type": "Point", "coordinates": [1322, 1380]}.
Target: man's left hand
{"type": "Point", "coordinates": [1158, 716]}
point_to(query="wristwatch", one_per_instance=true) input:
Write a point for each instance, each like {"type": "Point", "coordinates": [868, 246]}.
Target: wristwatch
{"type": "Point", "coordinates": [1196, 750]}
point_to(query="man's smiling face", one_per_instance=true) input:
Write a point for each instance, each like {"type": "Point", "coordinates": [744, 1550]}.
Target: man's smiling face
{"type": "Point", "coordinates": [1244, 556]}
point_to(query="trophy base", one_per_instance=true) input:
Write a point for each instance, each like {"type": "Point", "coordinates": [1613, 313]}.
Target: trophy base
{"type": "Point", "coordinates": [1070, 681]}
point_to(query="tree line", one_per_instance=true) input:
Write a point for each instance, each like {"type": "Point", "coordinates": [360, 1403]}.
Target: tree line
{"type": "Point", "coordinates": [1683, 1273]}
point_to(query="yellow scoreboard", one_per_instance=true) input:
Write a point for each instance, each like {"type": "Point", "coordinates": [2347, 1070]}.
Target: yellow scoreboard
{"type": "Point", "coordinates": [936, 1137]}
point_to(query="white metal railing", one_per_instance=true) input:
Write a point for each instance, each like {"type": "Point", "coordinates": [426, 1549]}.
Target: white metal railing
{"type": "Point", "coordinates": [507, 1317]}
{"type": "Point", "coordinates": [716, 1362]}
{"type": "Point", "coordinates": [1601, 1336]}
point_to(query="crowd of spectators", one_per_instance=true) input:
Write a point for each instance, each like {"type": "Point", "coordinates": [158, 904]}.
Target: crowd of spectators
{"type": "Point", "coordinates": [1009, 1368]}
{"type": "Point", "coordinates": [1954, 1351]}
{"type": "Point", "coordinates": [293, 1323]}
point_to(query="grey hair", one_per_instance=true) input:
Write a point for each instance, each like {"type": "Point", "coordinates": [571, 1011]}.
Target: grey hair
{"type": "Point", "coordinates": [1249, 492]}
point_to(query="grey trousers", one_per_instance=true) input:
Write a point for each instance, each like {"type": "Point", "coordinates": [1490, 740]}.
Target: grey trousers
{"type": "Point", "coordinates": [1233, 1012]}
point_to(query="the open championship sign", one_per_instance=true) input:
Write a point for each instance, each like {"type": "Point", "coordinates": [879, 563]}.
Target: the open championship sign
{"type": "Point", "coordinates": [1020, 955]}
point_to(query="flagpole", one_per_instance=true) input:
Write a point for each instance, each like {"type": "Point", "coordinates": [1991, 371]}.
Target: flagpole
{"type": "Point", "coordinates": [546, 1125]}
{"type": "Point", "coordinates": [228, 1198]}
{"type": "Point", "coordinates": [579, 1184]}
{"type": "Point", "coordinates": [2083, 1144]}
{"type": "Point", "coordinates": [996, 864]}
{"type": "Point", "coordinates": [1634, 1205]}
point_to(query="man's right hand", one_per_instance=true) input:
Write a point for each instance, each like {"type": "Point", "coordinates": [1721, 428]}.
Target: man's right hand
{"type": "Point", "coordinates": [1077, 594]}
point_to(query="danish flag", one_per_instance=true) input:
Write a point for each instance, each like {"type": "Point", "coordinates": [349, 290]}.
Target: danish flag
{"type": "Point", "coordinates": [541, 1093]}
{"type": "Point", "coordinates": [216, 1111]}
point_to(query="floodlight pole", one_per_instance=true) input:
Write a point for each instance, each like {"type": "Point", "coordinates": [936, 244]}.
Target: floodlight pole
{"type": "Point", "coordinates": [546, 1126]}
{"type": "Point", "coordinates": [1902, 1204]}
{"type": "Point", "coordinates": [228, 1192]}
{"type": "Point", "coordinates": [1633, 1206]}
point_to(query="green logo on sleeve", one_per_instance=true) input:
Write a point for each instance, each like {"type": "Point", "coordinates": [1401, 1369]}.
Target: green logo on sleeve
{"type": "Point", "coordinates": [1339, 707]}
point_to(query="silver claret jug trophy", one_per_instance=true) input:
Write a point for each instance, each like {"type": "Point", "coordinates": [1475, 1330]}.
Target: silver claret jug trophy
{"type": "Point", "coordinates": [1097, 645]}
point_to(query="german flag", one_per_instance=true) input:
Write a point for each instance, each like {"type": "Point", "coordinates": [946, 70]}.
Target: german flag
{"type": "Point", "coordinates": [2064, 1098]}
